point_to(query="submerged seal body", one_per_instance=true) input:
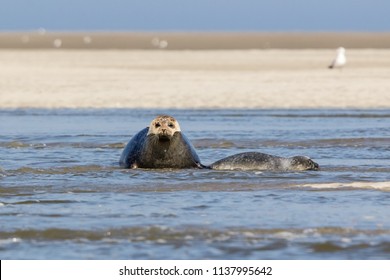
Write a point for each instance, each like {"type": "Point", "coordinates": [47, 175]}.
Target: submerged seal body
{"type": "Point", "coordinates": [161, 145]}
{"type": "Point", "coordinates": [260, 161]}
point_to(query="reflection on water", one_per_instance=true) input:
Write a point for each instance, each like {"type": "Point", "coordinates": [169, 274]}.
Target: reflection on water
{"type": "Point", "coordinates": [62, 194]}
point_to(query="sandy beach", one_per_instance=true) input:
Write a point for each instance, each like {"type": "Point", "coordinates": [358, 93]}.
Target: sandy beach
{"type": "Point", "coordinates": [267, 78]}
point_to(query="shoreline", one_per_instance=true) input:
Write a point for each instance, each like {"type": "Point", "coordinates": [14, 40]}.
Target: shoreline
{"type": "Point", "coordinates": [43, 39]}
{"type": "Point", "coordinates": [166, 109]}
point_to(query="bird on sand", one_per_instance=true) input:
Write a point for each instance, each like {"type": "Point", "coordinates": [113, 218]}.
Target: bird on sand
{"type": "Point", "coordinates": [340, 59]}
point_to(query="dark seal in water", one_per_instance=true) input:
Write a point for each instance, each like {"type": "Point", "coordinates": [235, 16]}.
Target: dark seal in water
{"type": "Point", "coordinates": [163, 145]}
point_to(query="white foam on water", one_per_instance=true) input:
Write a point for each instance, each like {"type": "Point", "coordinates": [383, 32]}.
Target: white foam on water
{"type": "Point", "coordinates": [357, 185]}
{"type": "Point", "coordinates": [10, 241]}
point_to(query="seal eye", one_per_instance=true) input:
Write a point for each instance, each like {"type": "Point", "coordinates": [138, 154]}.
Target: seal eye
{"type": "Point", "coordinates": [171, 125]}
{"type": "Point", "coordinates": [157, 125]}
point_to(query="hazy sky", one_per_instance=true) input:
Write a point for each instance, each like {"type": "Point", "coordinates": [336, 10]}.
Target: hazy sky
{"type": "Point", "coordinates": [196, 15]}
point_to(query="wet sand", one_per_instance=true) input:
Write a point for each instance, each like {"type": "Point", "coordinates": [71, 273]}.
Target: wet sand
{"type": "Point", "coordinates": [193, 40]}
{"type": "Point", "coordinates": [166, 78]}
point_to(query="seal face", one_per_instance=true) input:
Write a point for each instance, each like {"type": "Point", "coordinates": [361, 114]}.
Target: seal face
{"type": "Point", "coordinates": [260, 161]}
{"type": "Point", "coordinates": [164, 127]}
{"type": "Point", "coordinates": [161, 145]}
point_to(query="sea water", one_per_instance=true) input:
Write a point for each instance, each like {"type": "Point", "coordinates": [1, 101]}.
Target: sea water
{"type": "Point", "coordinates": [63, 195]}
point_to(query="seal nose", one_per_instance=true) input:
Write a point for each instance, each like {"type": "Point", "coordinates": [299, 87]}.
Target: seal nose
{"type": "Point", "coordinates": [164, 130]}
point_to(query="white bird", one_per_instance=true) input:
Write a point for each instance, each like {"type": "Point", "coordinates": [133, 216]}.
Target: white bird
{"type": "Point", "coordinates": [340, 59]}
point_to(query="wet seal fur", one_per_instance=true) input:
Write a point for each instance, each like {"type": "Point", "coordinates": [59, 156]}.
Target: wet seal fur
{"type": "Point", "coordinates": [163, 145]}
{"type": "Point", "coordinates": [260, 161]}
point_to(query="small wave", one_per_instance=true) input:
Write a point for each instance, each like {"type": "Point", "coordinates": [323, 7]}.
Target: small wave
{"type": "Point", "coordinates": [8, 241]}
{"type": "Point", "coordinates": [78, 169]}
{"type": "Point", "coordinates": [82, 145]}
{"type": "Point", "coordinates": [372, 143]}
{"type": "Point", "coordinates": [14, 144]}
{"type": "Point", "coordinates": [87, 145]}
{"type": "Point", "coordinates": [213, 143]}
{"type": "Point", "coordinates": [385, 186]}
{"type": "Point", "coordinates": [249, 143]}
{"type": "Point", "coordinates": [203, 242]}
{"type": "Point", "coordinates": [334, 114]}
{"type": "Point", "coordinates": [40, 201]}
{"type": "Point", "coordinates": [154, 233]}
{"type": "Point", "coordinates": [2, 172]}
{"type": "Point", "coordinates": [354, 142]}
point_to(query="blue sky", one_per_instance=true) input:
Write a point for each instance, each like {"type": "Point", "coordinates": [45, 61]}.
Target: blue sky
{"type": "Point", "coordinates": [195, 15]}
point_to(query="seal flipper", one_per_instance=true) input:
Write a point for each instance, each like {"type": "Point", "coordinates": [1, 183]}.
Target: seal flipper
{"type": "Point", "coordinates": [133, 149]}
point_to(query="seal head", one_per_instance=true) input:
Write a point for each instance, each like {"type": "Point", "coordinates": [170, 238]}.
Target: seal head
{"type": "Point", "coordinates": [164, 127]}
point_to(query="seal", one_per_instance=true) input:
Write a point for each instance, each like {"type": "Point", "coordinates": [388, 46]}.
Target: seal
{"type": "Point", "coordinates": [161, 145]}
{"type": "Point", "coordinates": [260, 161]}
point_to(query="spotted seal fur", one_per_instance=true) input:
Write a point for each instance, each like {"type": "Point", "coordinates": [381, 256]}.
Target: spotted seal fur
{"type": "Point", "coordinates": [260, 161]}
